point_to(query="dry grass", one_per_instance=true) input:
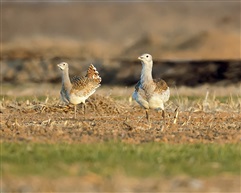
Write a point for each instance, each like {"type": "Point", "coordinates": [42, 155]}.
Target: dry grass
{"type": "Point", "coordinates": [189, 119]}
{"type": "Point", "coordinates": [111, 148]}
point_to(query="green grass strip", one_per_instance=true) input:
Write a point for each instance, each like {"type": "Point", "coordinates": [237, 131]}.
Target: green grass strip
{"type": "Point", "coordinates": [106, 159]}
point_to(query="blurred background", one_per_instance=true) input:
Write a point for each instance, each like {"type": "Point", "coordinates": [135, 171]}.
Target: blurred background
{"type": "Point", "coordinates": [192, 43]}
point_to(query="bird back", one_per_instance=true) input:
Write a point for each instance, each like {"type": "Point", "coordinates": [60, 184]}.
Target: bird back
{"type": "Point", "coordinates": [86, 85]}
{"type": "Point", "coordinates": [161, 85]}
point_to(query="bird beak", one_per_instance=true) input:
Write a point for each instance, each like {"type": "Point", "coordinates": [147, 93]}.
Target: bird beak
{"type": "Point", "coordinates": [139, 58]}
{"type": "Point", "coordinates": [59, 66]}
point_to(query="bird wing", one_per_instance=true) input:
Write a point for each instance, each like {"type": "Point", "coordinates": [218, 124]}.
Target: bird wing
{"type": "Point", "coordinates": [92, 73]}
{"type": "Point", "coordinates": [161, 85]}
{"type": "Point", "coordinates": [141, 91]}
{"type": "Point", "coordinates": [64, 95]}
{"type": "Point", "coordinates": [137, 86]}
{"type": "Point", "coordinates": [84, 86]}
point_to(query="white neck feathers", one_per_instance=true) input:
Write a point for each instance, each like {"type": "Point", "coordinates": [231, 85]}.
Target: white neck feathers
{"type": "Point", "coordinates": [146, 72]}
{"type": "Point", "coordinates": [65, 79]}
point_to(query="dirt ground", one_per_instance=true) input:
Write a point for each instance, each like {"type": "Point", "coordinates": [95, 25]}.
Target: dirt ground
{"type": "Point", "coordinates": [111, 118]}
{"type": "Point", "coordinates": [108, 119]}
{"type": "Point", "coordinates": [35, 36]}
{"type": "Point", "coordinates": [119, 183]}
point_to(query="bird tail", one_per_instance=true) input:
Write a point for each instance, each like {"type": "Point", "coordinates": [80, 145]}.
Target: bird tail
{"type": "Point", "coordinates": [92, 73]}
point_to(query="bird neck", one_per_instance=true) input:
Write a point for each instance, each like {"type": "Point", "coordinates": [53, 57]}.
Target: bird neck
{"type": "Point", "coordinates": [146, 73]}
{"type": "Point", "coordinates": [66, 80]}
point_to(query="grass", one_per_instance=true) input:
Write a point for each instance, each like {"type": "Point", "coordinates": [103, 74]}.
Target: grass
{"type": "Point", "coordinates": [180, 100]}
{"type": "Point", "coordinates": [107, 159]}
{"type": "Point", "coordinates": [23, 98]}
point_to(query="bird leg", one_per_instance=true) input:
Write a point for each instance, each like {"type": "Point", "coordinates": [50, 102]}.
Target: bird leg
{"type": "Point", "coordinates": [163, 114]}
{"type": "Point", "coordinates": [164, 120]}
{"type": "Point", "coordinates": [75, 111]}
{"type": "Point", "coordinates": [148, 118]}
{"type": "Point", "coordinates": [83, 108]}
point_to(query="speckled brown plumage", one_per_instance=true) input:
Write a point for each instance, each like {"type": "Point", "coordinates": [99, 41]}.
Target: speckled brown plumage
{"type": "Point", "coordinates": [150, 93]}
{"type": "Point", "coordinates": [77, 89]}
{"type": "Point", "coordinates": [159, 86]}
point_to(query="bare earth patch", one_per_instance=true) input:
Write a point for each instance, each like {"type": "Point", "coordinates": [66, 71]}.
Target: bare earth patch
{"type": "Point", "coordinates": [107, 119]}
{"type": "Point", "coordinates": [119, 183]}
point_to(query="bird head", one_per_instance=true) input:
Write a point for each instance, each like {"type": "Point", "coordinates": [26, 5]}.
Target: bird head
{"type": "Point", "coordinates": [145, 58]}
{"type": "Point", "coordinates": [62, 65]}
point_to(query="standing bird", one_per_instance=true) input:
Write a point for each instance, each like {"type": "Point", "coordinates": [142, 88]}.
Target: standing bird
{"type": "Point", "coordinates": [77, 89]}
{"type": "Point", "coordinates": [150, 93]}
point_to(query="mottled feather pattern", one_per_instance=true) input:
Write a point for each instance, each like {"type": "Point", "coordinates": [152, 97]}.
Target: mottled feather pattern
{"type": "Point", "coordinates": [86, 85]}
{"type": "Point", "coordinates": [78, 82]}
{"type": "Point", "coordinates": [137, 87]}
{"type": "Point", "coordinates": [161, 85]}
{"type": "Point", "coordinates": [92, 73]}
{"type": "Point", "coordinates": [77, 89]}
{"type": "Point", "coordinates": [64, 95]}
{"type": "Point", "coordinates": [149, 92]}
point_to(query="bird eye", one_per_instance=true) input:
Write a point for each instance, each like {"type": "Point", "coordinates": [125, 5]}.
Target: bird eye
{"type": "Point", "coordinates": [147, 56]}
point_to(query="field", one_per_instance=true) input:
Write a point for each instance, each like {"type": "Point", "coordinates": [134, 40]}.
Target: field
{"type": "Point", "coordinates": [111, 116]}
{"type": "Point", "coordinates": [111, 148]}
{"type": "Point", "coordinates": [120, 167]}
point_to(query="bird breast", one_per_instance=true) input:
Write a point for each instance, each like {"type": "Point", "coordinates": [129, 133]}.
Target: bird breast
{"type": "Point", "coordinates": [74, 99]}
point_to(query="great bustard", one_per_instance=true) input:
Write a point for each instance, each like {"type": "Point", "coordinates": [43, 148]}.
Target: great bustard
{"type": "Point", "coordinates": [77, 89]}
{"type": "Point", "coordinates": [150, 93]}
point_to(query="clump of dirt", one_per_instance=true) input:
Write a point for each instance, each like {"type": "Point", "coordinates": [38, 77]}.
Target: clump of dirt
{"type": "Point", "coordinates": [105, 105]}
{"type": "Point", "coordinates": [106, 119]}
